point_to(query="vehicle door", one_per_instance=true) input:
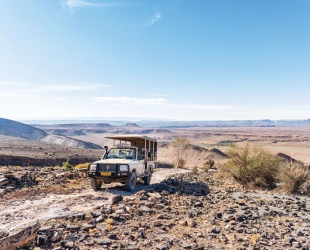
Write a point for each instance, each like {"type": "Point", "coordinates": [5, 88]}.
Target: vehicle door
{"type": "Point", "coordinates": [140, 164]}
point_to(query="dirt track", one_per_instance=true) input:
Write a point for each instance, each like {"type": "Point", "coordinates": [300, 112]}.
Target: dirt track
{"type": "Point", "coordinates": [19, 213]}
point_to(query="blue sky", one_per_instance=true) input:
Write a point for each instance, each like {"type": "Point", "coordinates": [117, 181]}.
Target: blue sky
{"type": "Point", "coordinates": [169, 59]}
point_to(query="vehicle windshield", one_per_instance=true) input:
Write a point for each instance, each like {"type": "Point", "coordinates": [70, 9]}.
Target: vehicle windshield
{"type": "Point", "coordinates": [121, 153]}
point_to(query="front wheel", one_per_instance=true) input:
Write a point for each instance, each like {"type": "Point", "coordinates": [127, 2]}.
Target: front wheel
{"type": "Point", "coordinates": [131, 181]}
{"type": "Point", "coordinates": [95, 184]}
{"type": "Point", "coordinates": [147, 179]}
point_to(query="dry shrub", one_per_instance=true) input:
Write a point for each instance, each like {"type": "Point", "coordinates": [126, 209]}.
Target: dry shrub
{"type": "Point", "coordinates": [180, 163]}
{"type": "Point", "coordinates": [294, 177]}
{"type": "Point", "coordinates": [251, 165]}
{"type": "Point", "coordinates": [195, 170]}
{"type": "Point", "coordinates": [208, 165]}
{"type": "Point", "coordinates": [180, 144]}
{"type": "Point", "coordinates": [81, 166]}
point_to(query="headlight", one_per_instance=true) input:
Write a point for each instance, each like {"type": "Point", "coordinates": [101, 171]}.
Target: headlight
{"type": "Point", "coordinates": [123, 167]}
{"type": "Point", "coordinates": [93, 167]}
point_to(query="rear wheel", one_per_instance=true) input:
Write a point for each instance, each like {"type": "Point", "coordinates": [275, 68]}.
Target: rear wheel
{"type": "Point", "coordinates": [95, 184]}
{"type": "Point", "coordinates": [147, 179]}
{"type": "Point", "coordinates": [131, 181]}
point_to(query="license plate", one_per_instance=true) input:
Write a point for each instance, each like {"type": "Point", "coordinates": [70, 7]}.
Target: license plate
{"type": "Point", "coordinates": [105, 173]}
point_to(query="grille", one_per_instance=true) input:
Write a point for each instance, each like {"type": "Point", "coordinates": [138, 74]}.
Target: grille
{"type": "Point", "coordinates": [107, 168]}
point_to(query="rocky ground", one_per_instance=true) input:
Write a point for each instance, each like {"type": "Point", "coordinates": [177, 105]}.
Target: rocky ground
{"type": "Point", "coordinates": [183, 211]}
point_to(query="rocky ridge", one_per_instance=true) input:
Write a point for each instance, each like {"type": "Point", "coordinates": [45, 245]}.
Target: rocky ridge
{"type": "Point", "coordinates": [185, 211]}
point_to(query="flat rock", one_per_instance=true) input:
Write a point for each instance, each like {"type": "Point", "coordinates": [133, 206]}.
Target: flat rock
{"type": "Point", "coordinates": [20, 238]}
{"type": "Point", "coordinates": [4, 181]}
{"type": "Point", "coordinates": [102, 242]}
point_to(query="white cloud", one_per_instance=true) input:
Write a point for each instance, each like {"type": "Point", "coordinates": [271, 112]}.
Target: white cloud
{"type": "Point", "coordinates": [155, 18]}
{"type": "Point", "coordinates": [13, 83]}
{"type": "Point", "coordinates": [18, 95]}
{"type": "Point", "coordinates": [205, 107]}
{"type": "Point", "coordinates": [71, 4]}
{"type": "Point", "coordinates": [160, 103]}
{"type": "Point", "coordinates": [74, 87]}
{"type": "Point", "coordinates": [132, 101]}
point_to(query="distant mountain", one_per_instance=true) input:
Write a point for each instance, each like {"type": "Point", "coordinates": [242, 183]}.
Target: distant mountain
{"type": "Point", "coordinates": [130, 125]}
{"type": "Point", "coordinates": [16, 129]}
{"type": "Point", "coordinates": [21, 130]}
{"type": "Point", "coordinates": [229, 123]}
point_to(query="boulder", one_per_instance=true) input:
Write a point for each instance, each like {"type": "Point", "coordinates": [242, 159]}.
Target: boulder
{"type": "Point", "coordinates": [20, 238]}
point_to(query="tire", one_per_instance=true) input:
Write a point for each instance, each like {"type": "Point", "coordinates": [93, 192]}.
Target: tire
{"type": "Point", "coordinates": [95, 184]}
{"type": "Point", "coordinates": [131, 181]}
{"type": "Point", "coordinates": [147, 179]}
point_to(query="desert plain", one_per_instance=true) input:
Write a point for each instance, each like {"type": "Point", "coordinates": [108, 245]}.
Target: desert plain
{"type": "Point", "coordinates": [43, 206]}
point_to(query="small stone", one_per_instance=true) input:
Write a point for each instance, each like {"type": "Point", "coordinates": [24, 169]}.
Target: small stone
{"type": "Point", "coordinates": [95, 214]}
{"type": "Point", "coordinates": [157, 223]}
{"type": "Point", "coordinates": [183, 222]}
{"type": "Point", "coordinates": [116, 199]}
{"type": "Point", "coordinates": [191, 223]}
{"type": "Point", "coordinates": [186, 245]}
{"type": "Point", "coordinates": [55, 237]}
{"type": "Point", "coordinates": [3, 234]}
{"type": "Point", "coordinates": [2, 191]}
{"type": "Point", "coordinates": [83, 237]}
{"type": "Point", "coordinates": [69, 244]}
{"type": "Point", "coordinates": [41, 240]}
{"type": "Point", "coordinates": [100, 219]}
{"type": "Point", "coordinates": [72, 228]}
{"type": "Point", "coordinates": [3, 181]}
{"type": "Point", "coordinates": [215, 230]}
{"type": "Point", "coordinates": [161, 247]}
{"type": "Point", "coordinates": [132, 247]}
{"type": "Point", "coordinates": [45, 229]}
{"type": "Point", "coordinates": [88, 226]}
{"type": "Point", "coordinates": [300, 233]}
{"type": "Point", "coordinates": [113, 236]}
{"type": "Point", "coordinates": [154, 195]}
{"type": "Point", "coordinates": [200, 235]}
{"type": "Point", "coordinates": [102, 242]}
{"type": "Point", "coordinates": [296, 244]}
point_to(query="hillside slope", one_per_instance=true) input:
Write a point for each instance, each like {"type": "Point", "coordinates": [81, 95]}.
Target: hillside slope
{"type": "Point", "coordinates": [21, 130]}
{"type": "Point", "coordinates": [69, 142]}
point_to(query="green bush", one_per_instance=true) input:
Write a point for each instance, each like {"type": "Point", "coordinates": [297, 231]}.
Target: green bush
{"type": "Point", "coordinates": [252, 164]}
{"type": "Point", "coordinates": [66, 165]}
{"type": "Point", "coordinates": [294, 176]}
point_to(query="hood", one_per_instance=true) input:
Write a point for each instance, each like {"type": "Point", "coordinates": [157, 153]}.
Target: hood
{"type": "Point", "coordinates": [114, 161]}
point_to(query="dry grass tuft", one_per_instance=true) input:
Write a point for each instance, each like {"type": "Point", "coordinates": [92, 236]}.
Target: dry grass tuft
{"type": "Point", "coordinates": [294, 177]}
{"type": "Point", "coordinates": [208, 165]}
{"type": "Point", "coordinates": [255, 238]}
{"type": "Point", "coordinates": [81, 166]}
{"type": "Point", "coordinates": [109, 221]}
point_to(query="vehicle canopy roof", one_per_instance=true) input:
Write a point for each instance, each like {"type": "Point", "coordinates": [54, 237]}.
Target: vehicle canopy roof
{"type": "Point", "coordinates": [136, 140]}
{"type": "Point", "coordinates": [130, 138]}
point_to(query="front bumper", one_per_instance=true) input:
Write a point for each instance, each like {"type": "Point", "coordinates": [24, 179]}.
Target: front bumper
{"type": "Point", "coordinates": [107, 175]}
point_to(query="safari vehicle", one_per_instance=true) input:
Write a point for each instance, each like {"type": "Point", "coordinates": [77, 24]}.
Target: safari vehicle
{"type": "Point", "coordinates": [134, 157]}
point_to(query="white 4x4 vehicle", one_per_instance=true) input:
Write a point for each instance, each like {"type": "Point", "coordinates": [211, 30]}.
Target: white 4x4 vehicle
{"type": "Point", "coordinates": [125, 163]}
